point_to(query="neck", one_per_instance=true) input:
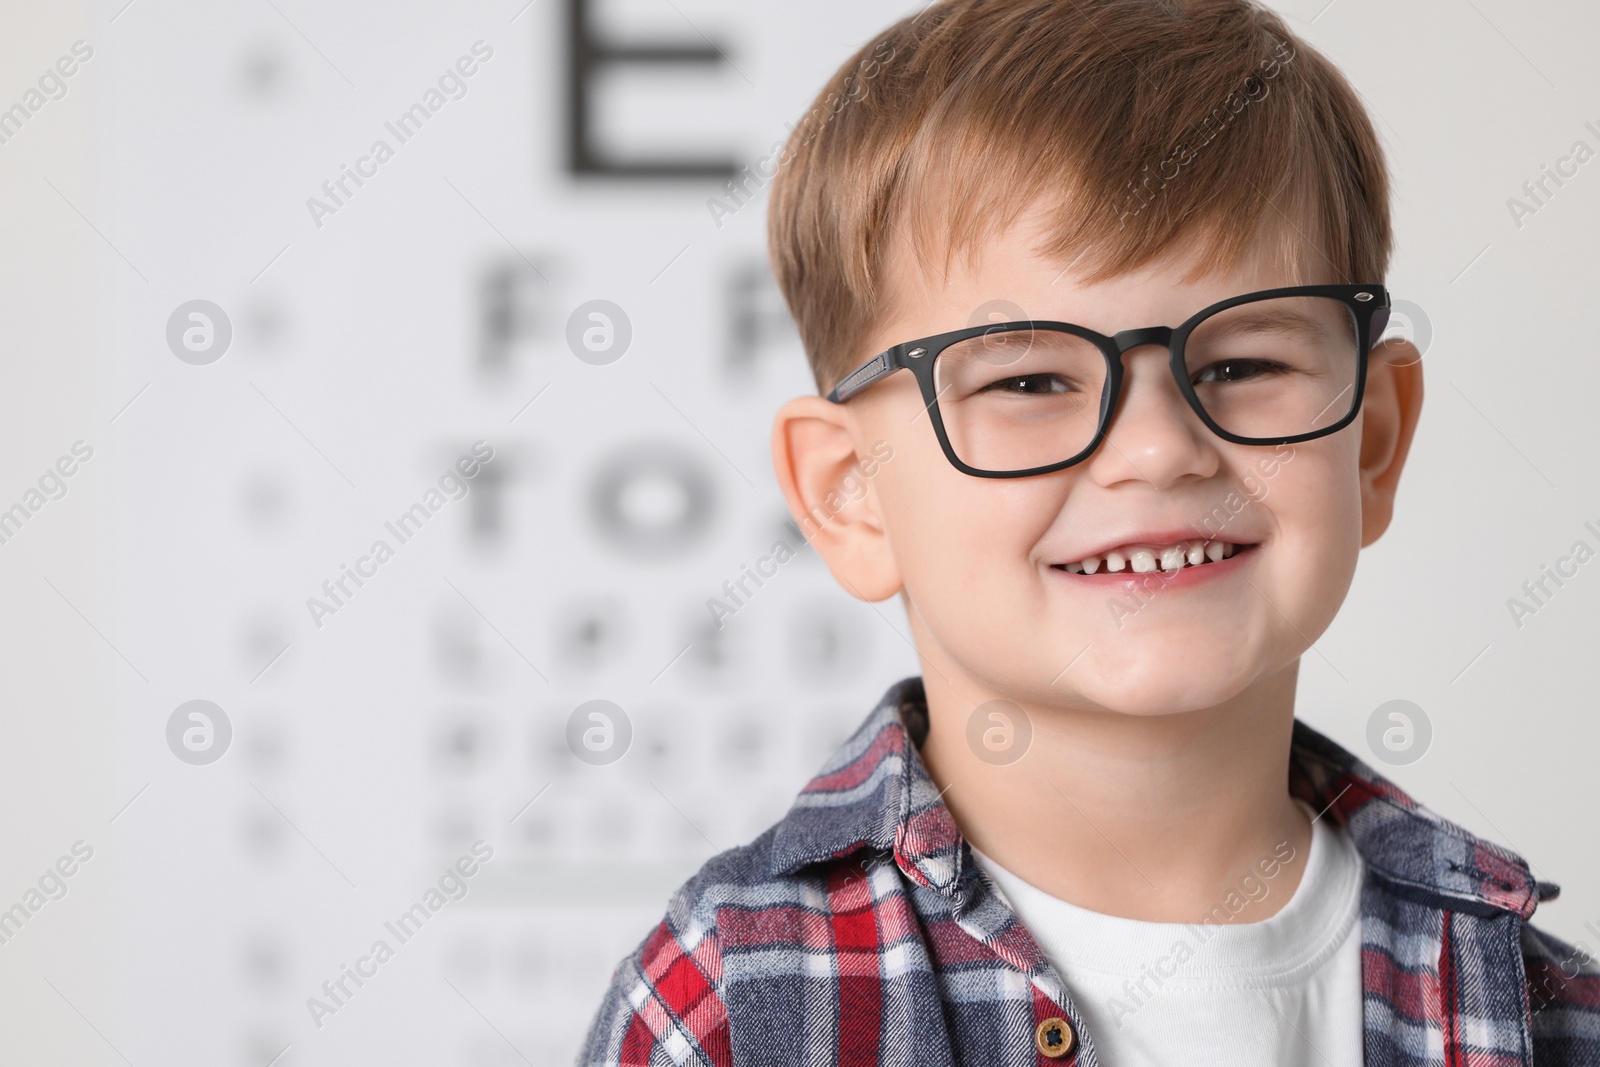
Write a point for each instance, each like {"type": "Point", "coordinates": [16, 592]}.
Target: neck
{"type": "Point", "coordinates": [1149, 817]}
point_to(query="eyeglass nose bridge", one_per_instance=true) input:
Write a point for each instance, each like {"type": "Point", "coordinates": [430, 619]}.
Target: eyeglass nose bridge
{"type": "Point", "coordinates": [1126, 340]}
{"type": "Point", "coordinates": [1149, 335]}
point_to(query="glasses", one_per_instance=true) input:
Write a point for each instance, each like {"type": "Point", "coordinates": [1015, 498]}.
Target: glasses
{"type": "Point", "coordinates": [1012, 399]}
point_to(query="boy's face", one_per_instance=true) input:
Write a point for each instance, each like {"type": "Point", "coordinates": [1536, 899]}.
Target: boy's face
{"type": "Point", "coordinates": [976, 558]}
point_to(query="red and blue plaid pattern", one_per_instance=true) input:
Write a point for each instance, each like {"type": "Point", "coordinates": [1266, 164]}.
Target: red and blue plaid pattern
{"type": "Point", "coordinates": [859, 931]}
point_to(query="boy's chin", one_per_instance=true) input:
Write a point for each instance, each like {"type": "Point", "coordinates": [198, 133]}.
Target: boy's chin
{"type": "Point", "coordinates": [1159, 705]}
{"type": "Point", "coordinates": [1157, 680]}
{"type": "Point", "coordinates": [1157, 686]}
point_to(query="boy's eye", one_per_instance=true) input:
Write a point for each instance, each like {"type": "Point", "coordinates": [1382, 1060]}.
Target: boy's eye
{"type": "Point", "coordinates": [1236, 370]}
{"type": "Point", "coordinates": [1030, 385]}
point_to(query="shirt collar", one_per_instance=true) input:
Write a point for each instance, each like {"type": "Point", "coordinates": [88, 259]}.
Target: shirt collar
{"type": "Point", "coordinates": [876, 793]}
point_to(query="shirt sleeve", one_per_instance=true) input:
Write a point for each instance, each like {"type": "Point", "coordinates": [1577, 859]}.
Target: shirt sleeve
{"type": "Point", "coordinates": [662, 1008]}
{"type": "Point", "coordinates": [1563, 996]}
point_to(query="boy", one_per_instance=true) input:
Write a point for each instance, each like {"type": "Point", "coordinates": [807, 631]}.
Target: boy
{"type": "Point", "coordinates": [1093, 290]}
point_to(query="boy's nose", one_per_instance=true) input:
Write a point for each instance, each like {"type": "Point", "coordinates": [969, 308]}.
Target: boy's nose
{"type": "Point", "coordinates": [1153, 435]}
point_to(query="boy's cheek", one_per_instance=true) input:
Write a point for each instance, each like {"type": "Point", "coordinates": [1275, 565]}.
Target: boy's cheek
{"type": "Point", "coordinates": [935, 515]}
{"type": "Point", "coordinates": [1319, 476]}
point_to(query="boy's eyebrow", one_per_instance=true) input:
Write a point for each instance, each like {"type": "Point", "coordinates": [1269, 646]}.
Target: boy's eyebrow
{"type": "Point", "coordinates": [1263, 320]}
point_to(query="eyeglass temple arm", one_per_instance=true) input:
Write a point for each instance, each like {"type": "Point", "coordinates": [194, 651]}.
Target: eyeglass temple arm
{"type": "Point", "coordinates": [864, 375]}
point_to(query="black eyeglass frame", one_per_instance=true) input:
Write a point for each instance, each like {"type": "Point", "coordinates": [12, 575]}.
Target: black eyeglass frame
{"type": "Point", "coordinates": [1369, 306]}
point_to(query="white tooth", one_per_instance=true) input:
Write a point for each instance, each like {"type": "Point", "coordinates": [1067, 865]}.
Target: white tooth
{"type": "Point", "coordinates": [1172, 558]}
{"type": "Point", "coordinates": [1214, 550]}
{"type": "Point", "coordinates": [1143, 560]}
{"type": "Point", "coordinates": [1197, 553]}
{"type": "Point", "coordinates": [1075, 568]}
{"type": "Point", "coordinates": [1091, 564]}
{"type": "Point", "coordinates": [1114, 561]}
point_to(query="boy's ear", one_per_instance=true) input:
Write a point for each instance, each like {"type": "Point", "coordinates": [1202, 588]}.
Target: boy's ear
{"type": "Point", "coordinates": [831, 496]}
{"type": "Point", "coordinates": [1389, 412]}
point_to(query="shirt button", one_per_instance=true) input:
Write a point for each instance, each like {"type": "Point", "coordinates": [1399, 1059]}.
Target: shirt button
{"type": "Point", "coordinates": [1053, 1038]}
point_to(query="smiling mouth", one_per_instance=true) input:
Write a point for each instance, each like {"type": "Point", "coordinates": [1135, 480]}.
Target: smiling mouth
{"type": "Point", "coordinates": [1151, 559]}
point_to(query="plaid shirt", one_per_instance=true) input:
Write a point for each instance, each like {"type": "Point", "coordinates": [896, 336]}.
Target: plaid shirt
{"type": "Point", "coordinates": [859, 931]}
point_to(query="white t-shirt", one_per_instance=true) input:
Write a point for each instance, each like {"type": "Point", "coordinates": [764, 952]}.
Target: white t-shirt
{"type": "Point", "coordinates": [1282, 992]}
